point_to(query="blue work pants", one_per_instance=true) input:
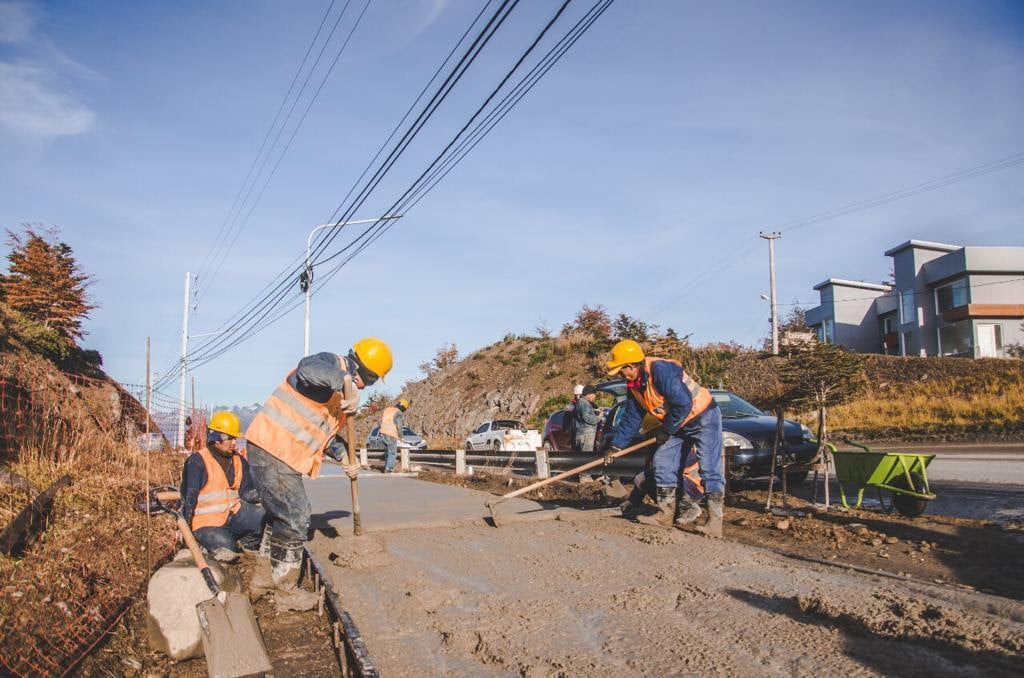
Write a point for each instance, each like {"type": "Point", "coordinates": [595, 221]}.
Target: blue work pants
{"type": "Point", "coordinates": [282, 494]}
{"type": "Point", "coordinates": [702, 433]}
{"type": "Point", "coordinates": [390, 452]}
{"type": "Point", "coordinates": [244, 527]}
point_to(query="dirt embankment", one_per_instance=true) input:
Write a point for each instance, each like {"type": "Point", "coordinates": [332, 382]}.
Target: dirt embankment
{"type": "Point", "coordinates": [904, 399]}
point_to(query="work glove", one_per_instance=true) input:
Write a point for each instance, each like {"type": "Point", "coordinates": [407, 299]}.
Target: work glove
{"type": "Point", "coordinates": [350, 396]}
{"type": "Point", "coordinates": [609, 452]}
{"type": "Point", "coordinates": [351, 470]}
{"type": "Point", "coordinates": [661, 435]}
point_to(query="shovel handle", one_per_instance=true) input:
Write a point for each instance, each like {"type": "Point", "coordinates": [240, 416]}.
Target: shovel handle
{"type": "Point", "coordinates": [357, 520]}
{"type": "Point", "coordinates": [197, 555]}
{"type": "Point", "coordinates": [573, 471]}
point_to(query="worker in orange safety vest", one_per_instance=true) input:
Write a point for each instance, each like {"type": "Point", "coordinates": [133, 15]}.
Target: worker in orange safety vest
{"type": "Point", "coordinates": [287, 440]}
{"type": "Point", "coordinates": [218, 497]}
{"type": "Point", "coordinates": [690, 419]}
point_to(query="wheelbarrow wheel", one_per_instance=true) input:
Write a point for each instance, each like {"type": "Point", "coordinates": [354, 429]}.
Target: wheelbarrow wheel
{"type": "Point", "coordinates": [907, 505]}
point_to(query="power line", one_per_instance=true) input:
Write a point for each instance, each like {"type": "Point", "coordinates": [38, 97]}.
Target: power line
{"type": "Point", "coordinates": [732, 259]}
{"type": "Point", "coordinates": [279, 290]}
{"type": "Point", "coordinates": [217, 239]}
{"type": "Point", "coordinates": [414, 192]}
{"type": "Point", "coordinates": [295, 130]}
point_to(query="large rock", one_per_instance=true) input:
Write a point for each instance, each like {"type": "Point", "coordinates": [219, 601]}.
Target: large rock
{"type": "Point", "coordinates": [174, 591]}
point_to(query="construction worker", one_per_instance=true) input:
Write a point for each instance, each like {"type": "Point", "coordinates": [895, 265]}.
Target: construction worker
{"type": "Point", "coordinates": [287, 440]}
{"type": "Point", "coordinates": [218, 497]}
{"type": "Point", "coordinates": [689, 418]}
{"type": "Point", "coordinates": [585, 419]}
{"type": "Point", "coordinates": [391, 425]}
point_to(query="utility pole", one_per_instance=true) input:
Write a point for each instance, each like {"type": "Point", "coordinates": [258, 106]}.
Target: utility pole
{"type": "Point", "coordinates": [184, 367]}
{"type": "Point", "coordinates": [771, 238]}
{"type": "Point", "coordinates": [147, 449]}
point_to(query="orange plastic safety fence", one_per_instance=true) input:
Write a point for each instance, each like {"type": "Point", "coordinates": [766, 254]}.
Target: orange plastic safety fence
{"type": "Point", "coordinates": [43, 633]}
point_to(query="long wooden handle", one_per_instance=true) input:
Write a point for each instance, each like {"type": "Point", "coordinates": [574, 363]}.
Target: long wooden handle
{"type": "Point", "coordinates": [197, 555]}
{"type": "Point", "coordinates": [357, 520]}
{"type": "Point", "coordinates": [574, 471]}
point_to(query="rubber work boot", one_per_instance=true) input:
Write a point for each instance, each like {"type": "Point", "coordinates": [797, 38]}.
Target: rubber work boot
{"type": "Point", "coordinates": [285, 568]}
{"type": "Point", "coordinates": [687, 512]}
{"type": "Point", "coordinates": [665, 509]}
{"type": "Point", "coordinates": [716, 512]}
{"type": "Point", "coordinates": [632, 505]}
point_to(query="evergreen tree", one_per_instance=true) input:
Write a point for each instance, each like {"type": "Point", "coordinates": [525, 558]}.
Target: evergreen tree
{"type": "Point", "coordinates": [45, 283]}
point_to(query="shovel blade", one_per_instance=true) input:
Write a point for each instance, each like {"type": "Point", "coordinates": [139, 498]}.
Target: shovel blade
{"type": "Point", "coordinates": [231, 638]}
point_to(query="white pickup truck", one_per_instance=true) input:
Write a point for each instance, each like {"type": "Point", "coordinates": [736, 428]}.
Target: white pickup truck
{"type": "Point", "coordinates": [503, 435]}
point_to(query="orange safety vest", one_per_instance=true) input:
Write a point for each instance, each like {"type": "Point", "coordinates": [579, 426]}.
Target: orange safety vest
{"type": "Point", "coordinates": [654, 402]}
{"type": "Point", "coordinates": [387, 422]}
{"type": "Point", "coordinates": [295, 429]}
{"type": "Point", "coordinates": [217, 499]}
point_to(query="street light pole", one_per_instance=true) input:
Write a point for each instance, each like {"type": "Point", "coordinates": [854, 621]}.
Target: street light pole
{"type": "Point", "coordinates": [307, 279]}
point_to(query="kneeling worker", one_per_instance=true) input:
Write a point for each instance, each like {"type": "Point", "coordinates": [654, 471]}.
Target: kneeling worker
{"type": "Point", "coordinates": [689, 417]}
{"type": "Point", "coordinates": [391, 424]}
{"type": "Point", "coordinates": [218, 497]}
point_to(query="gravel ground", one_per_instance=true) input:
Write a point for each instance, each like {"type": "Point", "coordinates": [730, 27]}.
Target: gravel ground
{"type": "Point", "coordinates": [576, 597]}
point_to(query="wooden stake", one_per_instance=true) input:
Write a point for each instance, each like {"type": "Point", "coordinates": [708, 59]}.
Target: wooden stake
{"type": "Point", "coordinates": [357, 520]}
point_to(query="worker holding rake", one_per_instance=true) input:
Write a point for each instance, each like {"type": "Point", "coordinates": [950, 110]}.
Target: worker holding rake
{"type": "Point", "coordinates": [689, 418]}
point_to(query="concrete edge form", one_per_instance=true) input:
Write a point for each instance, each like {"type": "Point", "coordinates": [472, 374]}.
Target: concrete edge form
{"type": "Point", "coordinates": [348, 641]}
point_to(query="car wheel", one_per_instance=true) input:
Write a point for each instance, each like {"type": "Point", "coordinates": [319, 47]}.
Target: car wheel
{"type": "Point", "coordinates": [548, 446]}
{"type": "Point", "coordinates": [469, 446]}
{"type": "Point", "coordinates": [497, 447]}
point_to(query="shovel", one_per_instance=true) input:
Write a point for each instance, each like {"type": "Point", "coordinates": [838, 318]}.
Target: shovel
{"type": "Point", "coordinates": [493, 503]}
{"type": "Point", "coordinates": [232, 641]}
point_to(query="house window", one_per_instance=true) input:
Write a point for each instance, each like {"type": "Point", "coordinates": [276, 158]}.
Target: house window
{"type": "Point", "coordinates": [888, 324]}
{"type": "Point", "coordinates": [950, 296]}
{"type": "Point", "coordinates": [908, 313]}
{"type": "Point", "coordinates": [825, 331]}
{"type": "Point", "coordinates": [955, 338]}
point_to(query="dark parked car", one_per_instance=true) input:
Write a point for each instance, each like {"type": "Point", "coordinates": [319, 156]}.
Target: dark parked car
{"type": "Point", "coordinates": [747, 432]}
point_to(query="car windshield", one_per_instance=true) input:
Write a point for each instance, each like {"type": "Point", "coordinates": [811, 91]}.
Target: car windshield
{"type": "Point", "coordinates": [735, 407]}
{"type": "Point", "coordinates": [507, 424]}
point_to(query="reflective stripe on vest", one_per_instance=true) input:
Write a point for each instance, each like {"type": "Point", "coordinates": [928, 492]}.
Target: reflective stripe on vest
{"type": "Point", "coordinates": [387, 421]}
{"type": "Point", "coordinates": [217, 499]}
{"type": "Point", "coordinates": [654, 402]}
{"type": "Point", "coordinates": [295, 429]}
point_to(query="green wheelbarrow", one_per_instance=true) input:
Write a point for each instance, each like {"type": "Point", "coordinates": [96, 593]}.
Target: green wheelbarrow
{"type": "Point", "coordinates": [901, 473]}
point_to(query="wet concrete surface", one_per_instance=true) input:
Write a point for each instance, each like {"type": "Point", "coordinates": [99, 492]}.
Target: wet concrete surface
{"type": "Point", "coordinates": [395, 502]}
{"type": "Point", "coordinates": [594, 596]}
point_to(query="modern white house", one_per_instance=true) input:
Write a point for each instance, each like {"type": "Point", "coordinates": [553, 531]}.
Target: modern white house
{"type": "Point", "coordinates": [945, 300]}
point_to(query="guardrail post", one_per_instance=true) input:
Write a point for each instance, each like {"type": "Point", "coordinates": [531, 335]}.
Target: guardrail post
{"type": "Point", "coordinates": [460, 462]}
{"type": "Point", "coordinates": [404, 453]}
{"type": "Point", "coordinates": [541, 461]}
{"type": "Point", "coordinates": [363, 460]}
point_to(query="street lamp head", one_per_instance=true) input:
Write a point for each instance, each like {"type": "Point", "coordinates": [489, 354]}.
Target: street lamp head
{"type": "Point", "coordinates": [765, 297]}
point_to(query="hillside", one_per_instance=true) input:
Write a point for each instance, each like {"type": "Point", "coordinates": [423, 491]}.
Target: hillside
{"type": "Point", "coordinates": [526, 378]}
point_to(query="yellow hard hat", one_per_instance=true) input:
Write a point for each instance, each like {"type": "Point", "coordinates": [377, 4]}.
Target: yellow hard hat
{"type": "Point", "coordinates": [225, 422]}
{"type": "Point", "coordinates": [374, 356]}
{"type": "Point", "coordinates": [404, 403]}
{"type": "Point", "coordinates": [625, 352]}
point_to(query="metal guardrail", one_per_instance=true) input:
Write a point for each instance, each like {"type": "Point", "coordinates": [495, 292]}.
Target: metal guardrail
{"type": "Point", "coordinates": [525, 461]}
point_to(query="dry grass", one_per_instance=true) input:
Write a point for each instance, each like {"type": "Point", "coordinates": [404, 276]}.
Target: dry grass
{"type": "Point", "coordinates": [96, 550]}
{"type": "Point", "coordinates": [945, 405]}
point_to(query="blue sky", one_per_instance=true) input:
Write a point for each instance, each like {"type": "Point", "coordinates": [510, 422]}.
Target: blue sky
{"type": "Point", "coordinates": [665, 140]}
